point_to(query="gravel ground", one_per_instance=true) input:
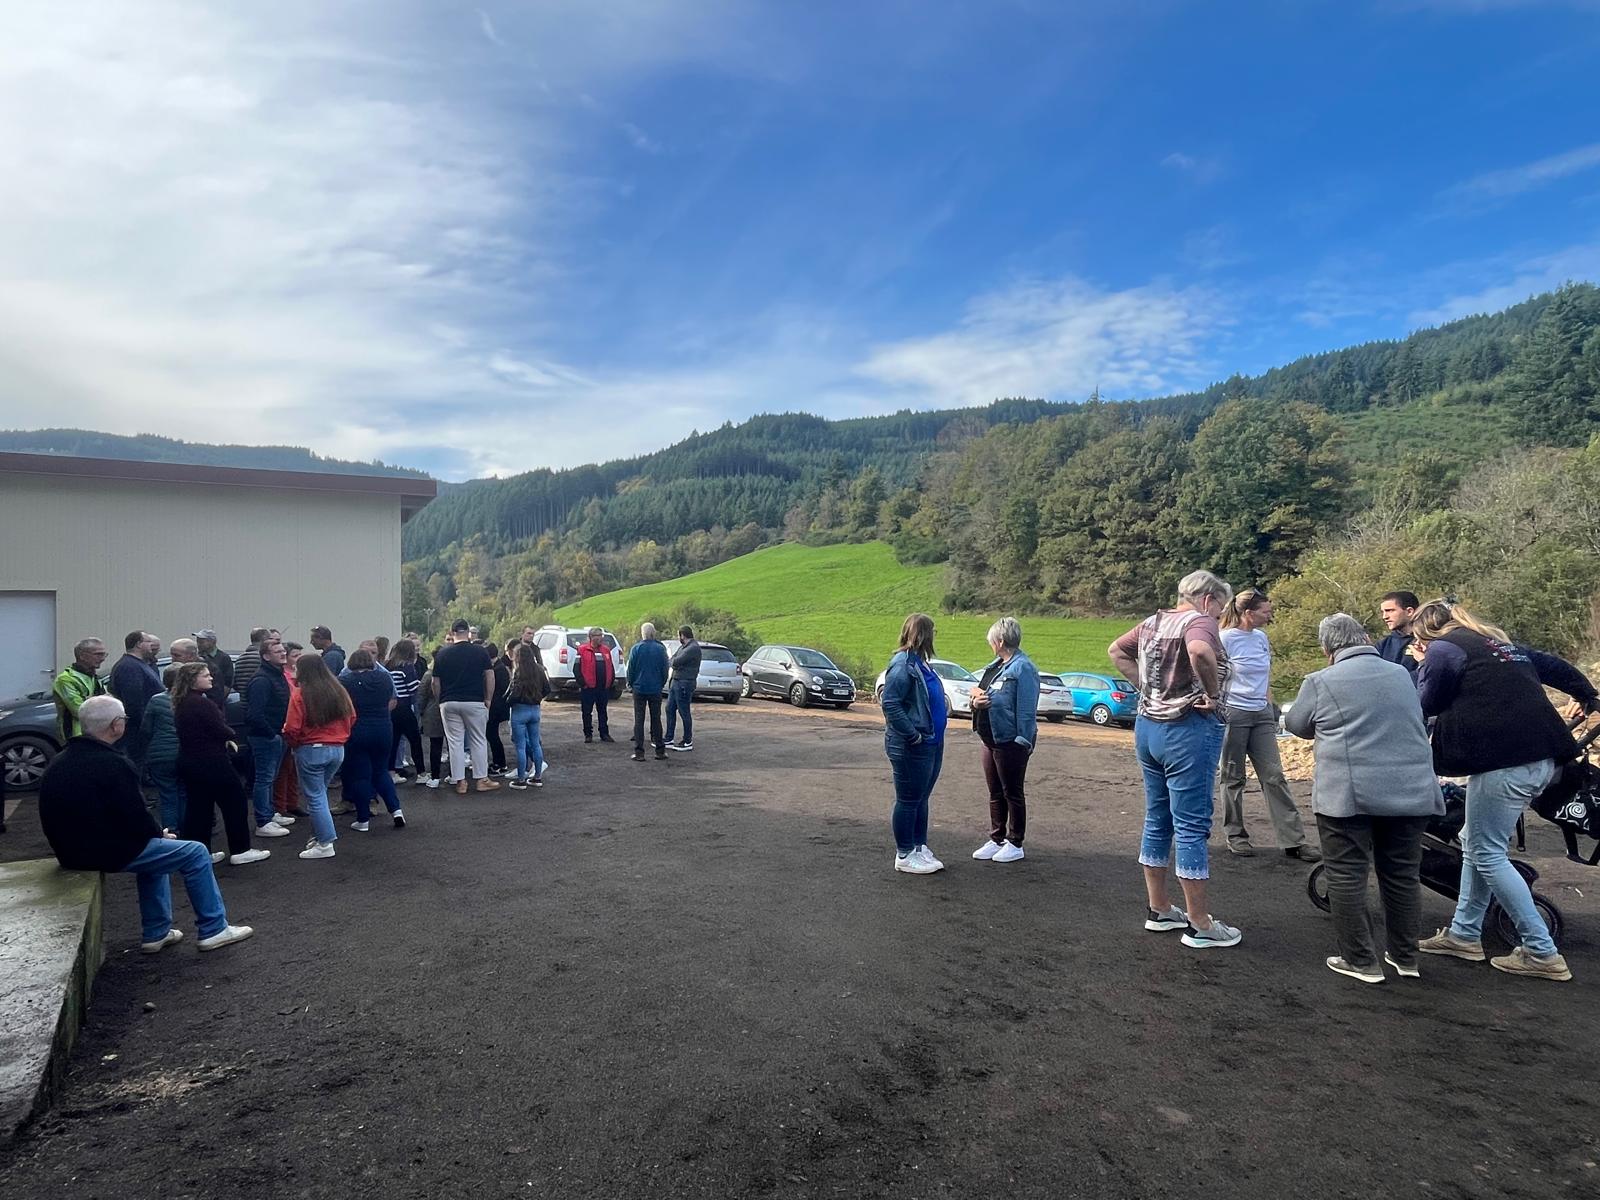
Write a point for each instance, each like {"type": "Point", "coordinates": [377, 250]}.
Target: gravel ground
{"type": "Point", "coordinates": [701, 978]}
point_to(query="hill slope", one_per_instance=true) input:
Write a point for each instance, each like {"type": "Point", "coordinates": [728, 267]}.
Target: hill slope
{"type": "Point", "coordinates": [148, 447]}
{"type": "Point", "coordinates": [849, 600]}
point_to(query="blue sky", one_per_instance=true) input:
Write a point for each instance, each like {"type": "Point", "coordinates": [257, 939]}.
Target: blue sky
{"type": "Point", "coordinates": [484, 238]}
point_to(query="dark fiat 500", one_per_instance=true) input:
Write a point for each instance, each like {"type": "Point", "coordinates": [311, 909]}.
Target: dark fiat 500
{"type": "Point", "coordinates": [798, 675]}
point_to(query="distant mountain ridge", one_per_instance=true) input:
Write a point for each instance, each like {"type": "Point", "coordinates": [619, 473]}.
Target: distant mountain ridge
{"type": "Point", "coordinates": [149, 447]}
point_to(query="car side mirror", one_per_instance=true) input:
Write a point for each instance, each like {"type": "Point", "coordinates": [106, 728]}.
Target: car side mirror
{"type": "Point", "coordinates": [787, 666]}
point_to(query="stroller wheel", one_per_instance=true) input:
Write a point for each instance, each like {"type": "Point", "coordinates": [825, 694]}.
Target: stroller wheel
{"type": "Point", "coordinates": [1499, 920]}
{"type": "Point", "coordinates": [1317, 887]}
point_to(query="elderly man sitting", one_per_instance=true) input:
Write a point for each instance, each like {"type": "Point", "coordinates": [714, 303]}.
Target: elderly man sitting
{"type": "Point", "coordinates": [95, 819]}
{"type": "Point", "coordinates": [1374, 792]}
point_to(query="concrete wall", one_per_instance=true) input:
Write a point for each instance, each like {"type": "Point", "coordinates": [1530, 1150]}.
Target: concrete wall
{"type": "Point", "coordinates": [175, 557]}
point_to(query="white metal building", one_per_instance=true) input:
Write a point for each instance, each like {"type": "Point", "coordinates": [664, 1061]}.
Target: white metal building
{"type": "Point", "coordinates": [93, 547]}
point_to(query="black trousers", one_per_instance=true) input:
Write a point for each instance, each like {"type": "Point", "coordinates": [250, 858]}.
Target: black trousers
{"type": "Point", "coordinates": [214, 785]}
{"type": "Point", "coordinates": [435, 757]}
{"type": "Point", "coordinates": [593, 701]}
{"type": "Point", "coordinates": [1005, 770]}
{"type": "Point", "coordinates": [497, 748]}
{"type": "Point", "coordinates": [640, 704]}
{"type": "Point", "coordinates": [1351, 847]}
{"type": "Point", "coordinates": [404, 719]}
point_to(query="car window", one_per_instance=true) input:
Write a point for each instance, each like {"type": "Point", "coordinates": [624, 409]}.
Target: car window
{"type": "Point", "coordinates": [950, 670]}
{"type": "Point", "coordinates": [1051, 680]}
{"type": "Point", "coordinates": [717, 654]}
{"type": "Point", "coordinates": [812, 658]}
{"type": "Point", "coordinates": [545, 641]}
{"type": "Point", "coordinates": [1122, 685]}
{"type": "Point", "coordinates": [765, 654]}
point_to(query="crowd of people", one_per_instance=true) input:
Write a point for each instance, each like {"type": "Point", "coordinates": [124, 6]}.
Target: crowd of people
{"type": "Point", "coordinates": [309, 721]}
{"type": "Point", "coordinates": [1444, 694]}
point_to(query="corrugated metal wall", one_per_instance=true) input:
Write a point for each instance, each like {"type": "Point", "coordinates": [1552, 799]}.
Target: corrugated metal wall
{"type": "Point", "coordinates": [172, 558]}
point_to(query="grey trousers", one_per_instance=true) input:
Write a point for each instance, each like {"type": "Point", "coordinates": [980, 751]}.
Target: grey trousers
{"type": "Point", "coordinates": [1351, 846]}
{"type": "Point", "coordinates": [1256, 734]}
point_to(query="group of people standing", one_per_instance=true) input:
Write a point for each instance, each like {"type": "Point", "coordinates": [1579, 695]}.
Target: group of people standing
{"type": "Point", "coordinates": [1444, 694]}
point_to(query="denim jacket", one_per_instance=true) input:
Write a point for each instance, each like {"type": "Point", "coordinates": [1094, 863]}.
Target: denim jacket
{"type": "Point", "coordinates": [906, 712]}
{"type": "Point", "coordinates": [1014, 701]}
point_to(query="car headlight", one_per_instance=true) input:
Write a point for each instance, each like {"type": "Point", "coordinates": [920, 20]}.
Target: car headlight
{"type": "Point", "coordinates": [817, 679]}
{"type": "Point", "coordinates": [6, 712]}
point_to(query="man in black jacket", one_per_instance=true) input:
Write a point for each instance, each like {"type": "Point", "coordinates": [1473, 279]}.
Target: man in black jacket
{"type": "Point", "coordinates": [1397, 609]}
{"type": "Point", "coordinates": [680, 692]}
{"type": "Point", "coordinates": [95, 819]}
{"type": "Point", "coordinates": [266, 706]}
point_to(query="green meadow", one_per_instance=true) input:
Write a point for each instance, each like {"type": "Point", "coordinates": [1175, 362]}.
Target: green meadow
{"type": "Point", "coordinates": [850, 601]}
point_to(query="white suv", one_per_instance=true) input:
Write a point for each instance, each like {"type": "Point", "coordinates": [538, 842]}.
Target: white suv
{"type": "Point", "coordinates": [558, 646]}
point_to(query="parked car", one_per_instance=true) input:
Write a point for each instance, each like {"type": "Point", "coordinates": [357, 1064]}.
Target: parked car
{"type": "Point", "coordinates": [958, 684]}
{"type": "Point", "coordinates": [795, 673]}
{"type": "Point", "coordinates": [558, 646]}
{"type": "Point", "coordinates": [29, 739]}
{"type": "Point", "coordinates": [1055, 699]}
{"type": "Point", "coordinates": [1102, 698]}
{"type": "Point", "coordinates": [719, 671]}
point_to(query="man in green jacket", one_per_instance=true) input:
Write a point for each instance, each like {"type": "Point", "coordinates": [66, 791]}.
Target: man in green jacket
{"type": "Point", "coordinates": [77, 683]}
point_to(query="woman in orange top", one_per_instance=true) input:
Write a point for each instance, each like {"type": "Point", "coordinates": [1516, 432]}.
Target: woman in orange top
{"type": "Point", "coordinates": [317, 727]}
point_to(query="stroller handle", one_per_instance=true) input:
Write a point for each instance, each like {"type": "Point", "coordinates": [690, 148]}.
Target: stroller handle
{"type": "Point", "coordinates": [1587, 739]}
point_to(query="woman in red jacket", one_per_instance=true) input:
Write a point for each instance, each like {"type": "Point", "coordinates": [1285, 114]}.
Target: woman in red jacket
{"type": "Point", "coordinates": [205, 767]}
{"type": "Point", "coordinates": [317, 727]}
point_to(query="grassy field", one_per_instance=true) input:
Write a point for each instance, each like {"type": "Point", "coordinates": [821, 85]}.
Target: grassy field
{"type": "Point", "coordinates": [847, 599]}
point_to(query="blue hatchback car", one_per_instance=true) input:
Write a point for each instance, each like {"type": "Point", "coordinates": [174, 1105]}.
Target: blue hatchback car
{"type": "Point", "coordinates": [1102, 698]}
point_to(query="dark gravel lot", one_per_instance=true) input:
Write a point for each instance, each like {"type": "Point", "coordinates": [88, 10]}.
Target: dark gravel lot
{"type": "Point", "coordinates": [701, 978]}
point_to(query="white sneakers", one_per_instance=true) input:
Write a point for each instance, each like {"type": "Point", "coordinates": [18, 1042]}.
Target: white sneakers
{"type": "Point", "coordinates": [226, 936]}
{"type": "Point", "coordinates": [919, 862]}
{"type": "Point", "coordinates": [361, 826]}
{"type": "Point", "coordinates": [1001, 852]}
{"type": "Point", "coordinates": [173, 936]}
{"type": "Point", "coordinates": [248, 857]}
{"type": "Point", "coordinates": [433, 782]}
{"type": "Point", "coordinates": [283, 819]}
{"type": "Point", "coordinates": [316, 849]}
{"type": "Point", "coordinates": [271, 829]}
{"type": "Point", "coordinates": [217, 856]}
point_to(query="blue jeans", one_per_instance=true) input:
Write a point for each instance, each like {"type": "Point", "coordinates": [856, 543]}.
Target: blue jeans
{"type": "Point", "coordinates": [680, 697]}
{"type": "Point", "coordinates": [316, 765]}
{"type": "Point", "coordinates": [525, 737]}
{"type": "Point", "coordinates": [267, 752]}
{"type": "Point", "coordinates": [1179, 761]}
{"type": "Point", "coordinates": [1494, 802]}
{"type": "Point", "coordinates": [366, 768]}
{"type": "Point", "coordinates": [154, 866]}
{"type": "Point", "coordinates": [916, 770]}
{"type": "Point", "coordinates": [165, 777]}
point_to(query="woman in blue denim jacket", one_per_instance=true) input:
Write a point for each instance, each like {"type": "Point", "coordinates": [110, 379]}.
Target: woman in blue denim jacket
{"type": "Point", "coordinates": [1005, 716]}
{"type": "Point", "coordinates": [914, 717]}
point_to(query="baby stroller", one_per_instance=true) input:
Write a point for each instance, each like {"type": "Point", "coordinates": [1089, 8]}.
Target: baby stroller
{"type": "Point", "coordinates": [1441, 871]}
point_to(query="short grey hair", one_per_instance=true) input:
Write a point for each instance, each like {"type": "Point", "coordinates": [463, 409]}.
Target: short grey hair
{"type": "Point", "coordinates": [87, 644]}
{"type": "Point", "coordinates": [97, 713]}
{"type": "Point", "coordinates": [594, 629]}
{"type": "Point", "coordinates": [1340, 632]}
{"type": "Point", "coordinates": [647, 632]}
{"type": "Point", "coordinates": [1007, 632]}
{"type": "Point", "coordinates": [1203, 583]}
{"type": "Point", "coordinates": [187, 645]}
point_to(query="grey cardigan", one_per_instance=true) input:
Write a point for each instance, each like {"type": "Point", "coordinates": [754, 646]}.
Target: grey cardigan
{"type": "Point", "coordinates": [1373, 756]}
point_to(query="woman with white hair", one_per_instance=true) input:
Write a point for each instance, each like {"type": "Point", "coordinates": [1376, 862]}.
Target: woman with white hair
{"type": "Point", "coordinates": [1005, 716]}
{"type": "Point", "coordinates": [1374, 792]}
{"type": "Point", "coordinates": [1176, 662]}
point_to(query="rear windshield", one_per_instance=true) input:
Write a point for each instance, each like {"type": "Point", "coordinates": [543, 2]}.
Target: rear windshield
{"type": "Point", "coordinates": [577, 639]}
{"type": "Point", "coordinates": [716, 654]}
{"type": "Point", "coordinates": [1051, 680]}
{"type": "Point", "coordinates": [813, 658]}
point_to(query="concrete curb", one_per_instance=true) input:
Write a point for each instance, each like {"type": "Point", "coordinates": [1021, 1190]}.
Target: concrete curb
{"type": "Point", "coordinates": [51, 946]}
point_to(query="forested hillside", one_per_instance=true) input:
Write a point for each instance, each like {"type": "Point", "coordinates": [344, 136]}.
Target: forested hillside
{"type": "Point", "coordinates": [1059, 508]}
{"type": "Point", "coordinates": [147, 447]}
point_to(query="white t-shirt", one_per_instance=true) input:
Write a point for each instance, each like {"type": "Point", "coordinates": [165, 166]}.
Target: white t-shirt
{"type": "Point", "coordinates": [1250, 656]}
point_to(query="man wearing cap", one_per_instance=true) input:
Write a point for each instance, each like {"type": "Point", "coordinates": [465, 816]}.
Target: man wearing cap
{"type": "Point", "coordinates": [220, 662]}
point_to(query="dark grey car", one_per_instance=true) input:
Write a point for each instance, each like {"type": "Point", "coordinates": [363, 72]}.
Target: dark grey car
{"type": "Point", "coordinates": [796, 674]}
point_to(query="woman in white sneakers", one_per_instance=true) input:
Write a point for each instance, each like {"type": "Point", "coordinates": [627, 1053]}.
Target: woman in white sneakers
{"type": "Point", "coordinates": [1005, 716]}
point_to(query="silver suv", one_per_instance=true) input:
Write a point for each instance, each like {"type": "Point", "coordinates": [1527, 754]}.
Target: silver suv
{"type": "Point", "coordinates": [558, 646]}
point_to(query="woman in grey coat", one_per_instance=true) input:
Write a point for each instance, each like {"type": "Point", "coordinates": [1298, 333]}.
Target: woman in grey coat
{"type": "Point", "coordinates": [1373, 794]}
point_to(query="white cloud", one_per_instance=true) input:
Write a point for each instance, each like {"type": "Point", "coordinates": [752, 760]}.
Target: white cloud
{"type": "Point", "coordinates": [1500, 282]}
{"type": "Point", "coordinates": [1513, 181]}
{"type": "Point", "coordinates": [1201, 168]}
{"type": "Point", "coordinates": [1060, 339]}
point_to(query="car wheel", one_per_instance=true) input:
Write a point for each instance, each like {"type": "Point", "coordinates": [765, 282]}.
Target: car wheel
{"type": "Point", "coordinates": [616, 691]}
{"type": "Point", "coordinates": [843, 706]}
{"type": "Point", "coordinates": [797, 695]}
{"type": "Point", "coordinates": [23, 761]}
{"type": "Point", "coordinates": [730, 699]}
{"type": "Point", "coordinates": [1100, 715]}
{"type": "Point", "coordinates": [744, 686]}
{"type": "Point", "coordinates": [1055, 718]}
{"type": "Point", "coordinates": [877, 696]}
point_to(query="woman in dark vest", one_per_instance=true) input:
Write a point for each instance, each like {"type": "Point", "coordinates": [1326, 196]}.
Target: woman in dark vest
{"type": "Point", "coordinates": [1494, 724]}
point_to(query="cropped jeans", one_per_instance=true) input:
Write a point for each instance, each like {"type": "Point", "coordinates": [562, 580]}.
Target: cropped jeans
{"type": "Point", "coordinates": [1495, 800]}
{"type": "Point", "coordinates": [317, 765]}
{"type": "Point", "coordinates": [1179, 761]}
{"type": "Point", "coordinates": [154, 866]}
{"type": "Point", "coordinates": [916, 770]}
{"type": "Point", "coordinates": [525, 719]}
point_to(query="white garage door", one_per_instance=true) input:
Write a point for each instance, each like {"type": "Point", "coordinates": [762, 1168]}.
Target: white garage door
{"type": "Point", "coordinates": [28, 632]}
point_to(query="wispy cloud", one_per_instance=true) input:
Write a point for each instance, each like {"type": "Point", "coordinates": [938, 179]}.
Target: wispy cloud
{"type": "Point", "coordinates": [1498, 282]}
{"type": "Point", "coordinates": [1056, 338]}
{"type": "Point", "coordinates": [1200, 168]}
{"type": "Point", "coordinates": [487, 26]}
{"type": "Point", "coordinates": [1514, 181]}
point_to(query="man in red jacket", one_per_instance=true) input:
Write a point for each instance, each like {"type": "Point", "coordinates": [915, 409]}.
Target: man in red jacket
{"type": "Point", "coordinates": [595, 673]}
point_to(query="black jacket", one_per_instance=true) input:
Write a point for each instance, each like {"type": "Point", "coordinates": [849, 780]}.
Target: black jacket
{"type": "Point", "coordinates": [266, 702]}
{"type": "Point", "coordinates": [1392, 648]}
{"type": "Point", "coordinates": [92, 810]}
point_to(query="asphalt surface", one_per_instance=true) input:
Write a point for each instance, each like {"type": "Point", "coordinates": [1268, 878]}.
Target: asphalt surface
{"type": "Point", "coordinates": [701, 978]}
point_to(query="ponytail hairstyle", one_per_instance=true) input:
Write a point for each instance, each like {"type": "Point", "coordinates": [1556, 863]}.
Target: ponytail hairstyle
{"type": "Point", "coordinates": [1245, 600]}
{"type": "Point", "coordinates": [1439, 617]}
